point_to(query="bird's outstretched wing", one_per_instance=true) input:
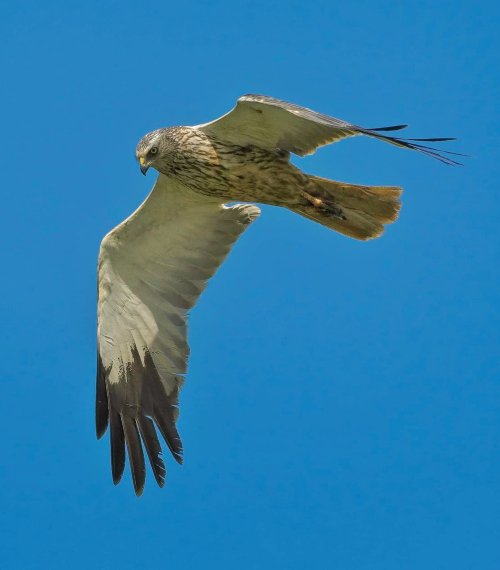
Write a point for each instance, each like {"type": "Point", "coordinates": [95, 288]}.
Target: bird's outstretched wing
{"type": "Point", "coordinates": [152, 269]}
{"type": "Point", "coordinates": [271, 123]}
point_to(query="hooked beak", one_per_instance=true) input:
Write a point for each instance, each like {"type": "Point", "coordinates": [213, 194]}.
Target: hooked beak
{"type": "Point", "coordinates": [142, 165]}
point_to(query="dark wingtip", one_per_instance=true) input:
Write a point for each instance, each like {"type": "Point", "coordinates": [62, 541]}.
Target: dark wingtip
{"type": "Point", "coordinates": [153, 448]}
{"type": "Point", "coordinates": [438, 154]}
{"type": "Point", "coordinates": [175, 445]}
{"type": "Point", "coordinates": [138, 479]}
{"type": "Point", "coordinates": [135, 452]}
{"type": "Point", "coordinates": [132, 424]}
{"type": "Point", "coordinates": [391, 128]}
{"type": "Point", "coordinates": [100, 429]}
{"type": "Point", "coordinates": [99, 432]}
{"type": "Point", "coordinates": [101, 400]}
{"type": "Point", "coordinates": [117, 440]}
{"type": "Point", "coordinates": [435, 139]}
{"type": "Point", "coordinates": [139, 489]}
{"type": "Point", "coordinates": [178, 456]}
{"type": "Point", "coordinates": [117, 475]}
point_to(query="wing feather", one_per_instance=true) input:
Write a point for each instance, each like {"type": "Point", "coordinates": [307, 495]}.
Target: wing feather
{"type": "Point", "coordinates": [153, 448]}
{"type": "Point", "coordinates": [135, 453]}
{"type": "Point", "coordinates": [101, 400]}
{"type": "Point", "coordinates": [117, 439]}
{"type": "Point", "coordinates": [152, 269]}
{"type": "Point", "coordinates": [271, 123]}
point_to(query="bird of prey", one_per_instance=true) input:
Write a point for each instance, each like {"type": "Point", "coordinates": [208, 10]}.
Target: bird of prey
{"type": "Point", "coordinates": [155, 264]}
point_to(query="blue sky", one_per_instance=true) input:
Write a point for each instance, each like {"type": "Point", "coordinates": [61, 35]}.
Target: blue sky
{"type": "Point", "coordinates": [342, 404]}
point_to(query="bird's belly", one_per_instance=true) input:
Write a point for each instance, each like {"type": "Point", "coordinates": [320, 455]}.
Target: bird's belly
{"type": "Point", "coordinates": [248, 174]}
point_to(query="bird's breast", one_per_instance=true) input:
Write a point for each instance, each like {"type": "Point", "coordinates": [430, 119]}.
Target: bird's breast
{"type": "Point", "coordinates": [215, 168]}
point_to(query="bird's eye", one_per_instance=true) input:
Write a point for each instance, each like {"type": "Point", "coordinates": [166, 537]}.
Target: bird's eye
{"type": "Point", "coordinates": [153, 150]}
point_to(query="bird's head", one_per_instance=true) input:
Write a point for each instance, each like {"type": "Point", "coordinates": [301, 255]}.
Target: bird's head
{"type": "Point", "coordinates": [150, 150]}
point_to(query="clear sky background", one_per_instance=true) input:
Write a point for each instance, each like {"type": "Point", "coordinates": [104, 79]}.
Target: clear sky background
{"type": "Point", "coordinates": [342, 404]}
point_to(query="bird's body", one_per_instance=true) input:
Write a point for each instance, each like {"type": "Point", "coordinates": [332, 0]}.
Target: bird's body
{"type": "Point", "coordinates": [155, 264]}
{"type": "Point", "coordinates": [249, 173]}
{"type": "Point", "coordinates": [227, 171]}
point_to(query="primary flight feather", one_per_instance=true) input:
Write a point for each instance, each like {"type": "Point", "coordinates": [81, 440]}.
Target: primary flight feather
{"type": "Point", "coordinates": [153, 266]}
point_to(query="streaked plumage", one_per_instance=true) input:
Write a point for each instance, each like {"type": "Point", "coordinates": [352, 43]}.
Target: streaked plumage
{"type": "Point", "coordinates": [155, 264]}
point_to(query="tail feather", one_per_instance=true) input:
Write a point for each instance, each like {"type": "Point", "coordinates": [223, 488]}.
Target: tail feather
{"type": "Point", "coordinates": [353, 210]}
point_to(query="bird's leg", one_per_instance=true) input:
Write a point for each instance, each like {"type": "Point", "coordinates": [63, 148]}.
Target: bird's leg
{"type": "Point", "coordinates": [327, 206]}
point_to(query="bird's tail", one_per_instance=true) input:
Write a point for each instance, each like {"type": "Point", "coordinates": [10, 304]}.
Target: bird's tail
{"type": "Point", "coordinates": [356, 211]}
